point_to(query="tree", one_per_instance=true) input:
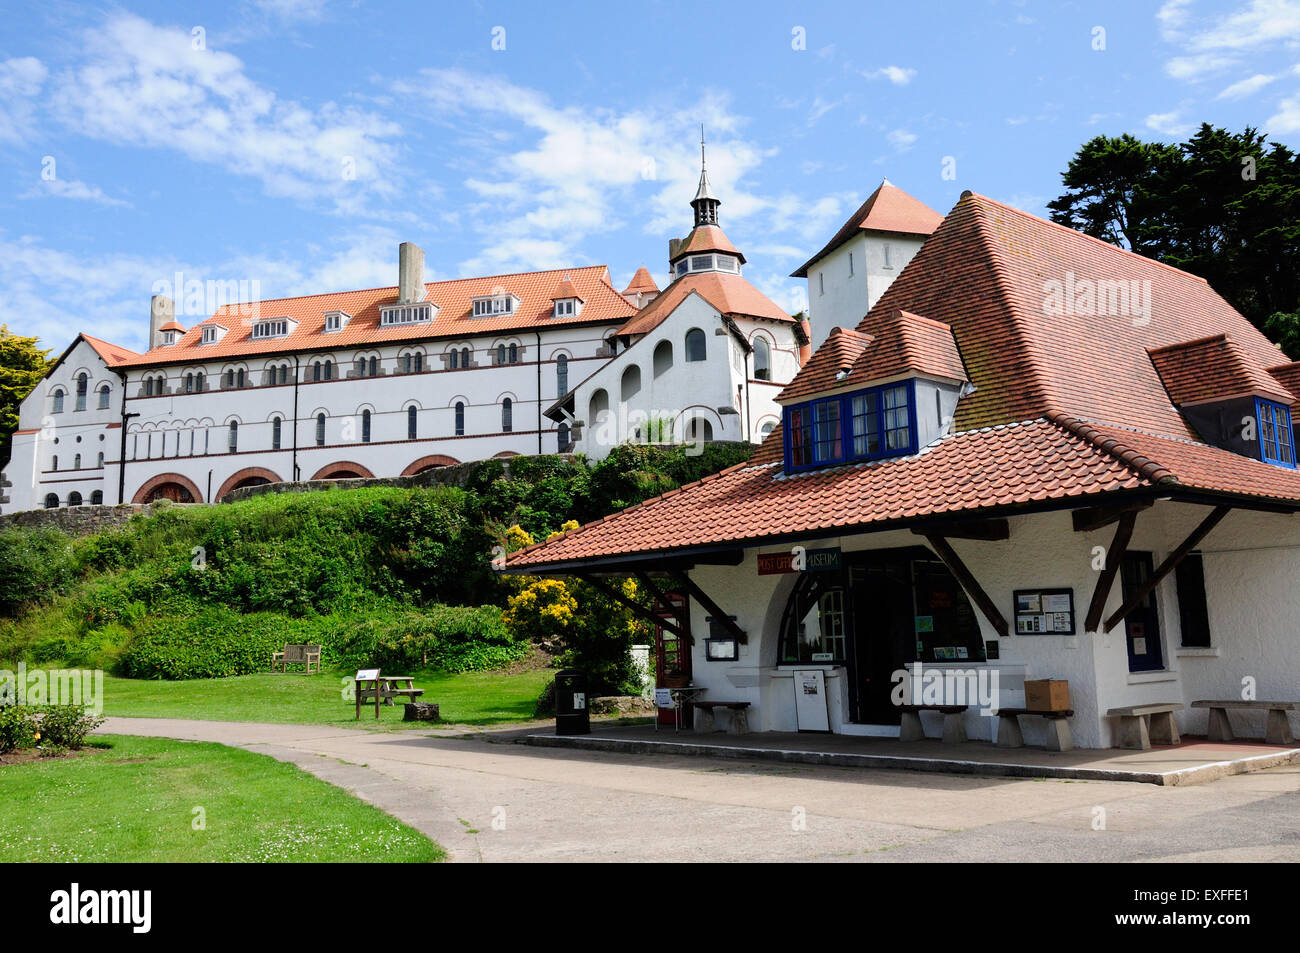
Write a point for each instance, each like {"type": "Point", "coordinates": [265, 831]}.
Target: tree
{"type": "Point", "coordinates": [1221, 205]}
{"type": "Point", "coordinates": [22, 365]}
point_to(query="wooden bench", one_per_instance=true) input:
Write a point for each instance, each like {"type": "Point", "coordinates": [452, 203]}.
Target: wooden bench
{"type": "Point", "coordinates": [954, 722]}
{"type": "Point", "coordinates": [705, 721]}
{"type": "Point", "coordinates": [296, 653]}
{"type": "Point", "coordinates": [1140, 725]}
{"type": "Point", "coordinates": [1059, 737]}
{"type": "Point", "coordinates": [1277, 730]}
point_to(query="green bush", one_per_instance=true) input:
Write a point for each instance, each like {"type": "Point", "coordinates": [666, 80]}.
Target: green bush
{"type": "Point", "coordinates": [66, 726]}
{"type": "Point", "coordinates": [17, 728]}
{"type": "Point", "coordinates": [449, 638]}
{"type": "Point", "coordinates": [35, 566]}
{"type": "Point", "coordinates": [215, 643]}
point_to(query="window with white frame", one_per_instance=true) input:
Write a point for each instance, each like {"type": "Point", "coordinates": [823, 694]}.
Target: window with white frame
{"type": "Point", "coordinates": [495, 304]}
{"type": "Point", "coordinates": [272, 328]}
{"type": "Point", "coordinates": [405, 314]}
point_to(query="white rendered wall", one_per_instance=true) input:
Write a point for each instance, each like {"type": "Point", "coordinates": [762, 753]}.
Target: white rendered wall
{"type": "Point", "coordinates": [847, 297]}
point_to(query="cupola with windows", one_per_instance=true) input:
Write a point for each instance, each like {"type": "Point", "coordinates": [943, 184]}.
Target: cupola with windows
{"type": "Point", "coordinates": [706, 248]}
{"type": "Point", "coordinates": [865, 397]}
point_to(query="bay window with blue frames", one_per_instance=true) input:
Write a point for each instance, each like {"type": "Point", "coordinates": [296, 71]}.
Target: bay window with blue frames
{"type": "Point", "coordinates": [863, 425]}
{"type": "Point", "coordinates": [1276, 442]}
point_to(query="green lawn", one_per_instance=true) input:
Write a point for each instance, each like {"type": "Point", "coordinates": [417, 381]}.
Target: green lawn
{"type": "Point", "coordinates": [472, 698]}
{"type": "Point", "coordinates": [135, 802]}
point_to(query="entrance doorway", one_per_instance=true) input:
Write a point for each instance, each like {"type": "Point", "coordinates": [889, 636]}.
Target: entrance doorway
{"type": "Point", "coordinates": [673, 656]}
{"type": "Point", "coordinates": [1142, 625]}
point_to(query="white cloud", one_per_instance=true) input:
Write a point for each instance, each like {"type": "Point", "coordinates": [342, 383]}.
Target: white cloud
{"type": "Point", "coordinates": [898, 75]}
{"type": "Point", "coordinates": [901, 139]}
{"type": "Point", "coordinates": [1287, 118]}
{"type": "Point", "coordinates": [1173, 17]}
{"type": "Point", "coordinates": [21, 80]}
{"type": "Point", "coordinates": [73, 189]}
{"type": "Point", "coordinates": [1194, 67]}
{"type": "Point", "coordinates": [1246, 87]}
{"type": "Point", "coordinates": [1261, 23]}
{"type": "Point", "coordinates": [820, 107]}
{"type": "Point", "coordinates": [138, 84]}
{"type": "Point", "coordinates": [1169, 124]}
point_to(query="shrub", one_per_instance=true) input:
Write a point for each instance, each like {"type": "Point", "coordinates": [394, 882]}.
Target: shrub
{"type": "Point", "coordinates": [66, 726]}
{"type": "Point", "coordinates": [35, 566]}
{"type": "Point", "coordinates": [17, 728]}
{"type": "Point", "coordinates": [449, 638]}
{"type": "Point", "coordinates": [215, 643]}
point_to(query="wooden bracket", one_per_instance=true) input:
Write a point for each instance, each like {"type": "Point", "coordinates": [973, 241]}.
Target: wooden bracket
{"type": "Point", "coordinates": [1095, 517]}
{"type": "Point", "coordinates": [1114, 557]}
{"type": "Point", "coordinates": [637, 609]}
{"type": "Point", "coordinates": [714, 610]}
{"type": "Point", "coordinates": [969, 583]}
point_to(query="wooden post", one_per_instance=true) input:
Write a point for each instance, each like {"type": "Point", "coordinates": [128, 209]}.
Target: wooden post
{"type": "Point", "coordinates": [969, 583]}
{"type": "Point", "coordinates": [1114, 557]}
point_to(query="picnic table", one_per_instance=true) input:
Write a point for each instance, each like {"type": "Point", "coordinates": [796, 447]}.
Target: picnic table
{"type": "Point", "coordinates": [369, 685]}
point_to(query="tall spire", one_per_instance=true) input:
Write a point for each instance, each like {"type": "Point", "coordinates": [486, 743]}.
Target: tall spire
{"type": "Point", "coordinates": [705, 202]}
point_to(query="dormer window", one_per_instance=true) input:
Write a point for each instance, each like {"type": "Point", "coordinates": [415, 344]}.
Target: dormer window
{"type": "Point", "coordinates": [271, 328]}
{"type": "Point", "coordinates": [396, 314]}
{"type": "Point", "coordinates": [336, 321]}
{"type": "Point", "coordinates": [1275, 436]}
{"type": "Point", "coordinates": [169, 337]}
{"type": "Point", "coordinates": [212, 333]}
{"type": "Point", "coordinates": [863, 425]}
{"type": "Point", "coordinates": [495, 304]}
{"type": "Point", "coordinates": [567, 307]}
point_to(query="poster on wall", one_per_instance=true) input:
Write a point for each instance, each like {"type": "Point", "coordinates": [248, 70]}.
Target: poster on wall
{"type": "Point", "coordinates": [1044, 611]}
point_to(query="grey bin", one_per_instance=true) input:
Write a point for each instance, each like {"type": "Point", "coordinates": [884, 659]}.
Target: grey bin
{"type": "Point", "coordinates": [572, 703]}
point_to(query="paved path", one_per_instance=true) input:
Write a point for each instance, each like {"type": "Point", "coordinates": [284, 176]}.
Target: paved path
{"type": "Point", "coordinates": [487, 800]}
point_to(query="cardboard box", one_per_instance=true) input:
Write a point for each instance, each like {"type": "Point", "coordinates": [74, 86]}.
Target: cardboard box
{"type": "Point", "coordinates": [1047, 694]}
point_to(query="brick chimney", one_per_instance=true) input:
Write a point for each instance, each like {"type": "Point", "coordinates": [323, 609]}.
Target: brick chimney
{"type": "Point", "coordinates": [410, 273]}
{"type": "Point", "coordinates": [162, 309]}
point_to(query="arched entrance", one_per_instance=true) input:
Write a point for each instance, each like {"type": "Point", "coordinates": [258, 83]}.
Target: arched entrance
{"type": "Point", "coordinates": [249, 476]}
{"type": "Point", "coordinates": [343, 470]}
{"type": "Point", "coordinates": [168, 486]}
{"type": "Point", "coordinates": [431, 462]}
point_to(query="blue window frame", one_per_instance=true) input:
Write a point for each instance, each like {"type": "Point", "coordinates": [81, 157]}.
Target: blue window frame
{"type": "Point", "coordinates": [1275, 438]}
{"type": "Point", "coordinates": [864, 425]}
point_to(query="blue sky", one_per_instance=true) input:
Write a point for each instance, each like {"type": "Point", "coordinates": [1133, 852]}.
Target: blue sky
{"type": "Point", "coordinates": [296, 142]}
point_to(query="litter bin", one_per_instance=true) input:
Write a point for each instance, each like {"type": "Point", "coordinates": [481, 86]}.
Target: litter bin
{"type": "Point", "coordinates": [572, 716]}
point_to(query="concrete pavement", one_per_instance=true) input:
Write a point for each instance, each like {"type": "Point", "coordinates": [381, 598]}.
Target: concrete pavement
{"type": "Point", "coordinates": [485, 800]}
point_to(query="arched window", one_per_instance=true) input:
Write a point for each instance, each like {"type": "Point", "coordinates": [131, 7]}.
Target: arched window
{"type": "Point", "coordinates": [57, 408]}
{"type": "Point", "coordinates": [699, 430]}
{"type": "Point", "coordinates": [762, 360]}
{"type": "Point", "coordinates": [501, 353]}
{"type": "Point", "coordinates": [411, 419]}
{"type": "Point", "coordinates": [663, 358]}
{"type": "Point", "coordinates": [454, 361]}
{"type": "Point", "coordinates": [74, 498]}
{"type": "Point", "coordinates": [189, 383]}
{"type": "Point", "coordinates": [696, 346]}
{"type": "Point", "coordinates": [284, 374]}
{"type": "Point", "coordinates": [97, 498]}
{"type": "Point", "coordinates": [406, 363]}
{"type": "Point", "coordinates": [460, 419]}
{"type": "Point", "coordinates": [329, 370]}
{"type": "Point", "coordinates": [374, 367]}
{"type": "Point", "coordinates": [76, 462]}
{"type": "Point", "coordinates": [198, 382]}
{"type": "Point", "coordinates": [104, 394]}
{"type": "Point", "coordinates": [51, 501]}
{"type": "Point", "coordinates": [230, 377]}
{"type": "Point", "coordinates": [320, 430]}
{"type": "Point", "coordinates": [562, 375]}
{"type": "Point", "coordinates": [100, 461]}
{"type": "Point", "coordinates": [234, 436]}
{"type": "Point", "coordinates": [365, 426]}
{"type": "Point", "coordinates": [83, 385]}
{"type": "Point", "coordinates": [507, 415]}
{"type": "Point", "coordinates": [315, 371]}
{"type": "Point", "coordinates": [275, 433]}
{"type": "Point", "coordinates": [464, 357]}
{"type": "Point", "coordinates": [631, 382]}
{"type": "Point", "coordinates": [419, 363]}
{"type": "Point", "coordinates": [814, 623]}
{"type": "Point", "coordinates": [562, 438]}
{"type": "Point", "coordinates": [597, 407]}
{"type": "Point", "coordinates": [239, 377]}
{"type": "Point", "coordinates": [514, 354]}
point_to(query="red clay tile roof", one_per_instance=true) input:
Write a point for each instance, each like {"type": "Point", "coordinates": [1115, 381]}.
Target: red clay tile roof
{"type": "Point", "coordinates": [836, 356]}
{"type": "Point", "coordinates": [112, 354]}
{"type": "Point", "coordinates": [1025, 463]}
{"type": "Point", "coordinates": [454, 319]}
{"type": "Point", "coordinates": [986, 272]}
{"type": "Point", "coordinates": [641, 282]}
{"type": "Point", "coordinates": [172, 326]}
{"type": "Point", "coordinates": [706, 238]}
{"type": "Point", "coordinates": [564, 290]}
{"type": "Point", "coordinates": [730, 294]}
{"type": "Point", "coordinates": [1288, 375]}
{"type": "Point", "coordinates": [888, 209]}
{"type": "Point", "coordinates": [1212, 368]}
{"type": "Point", "coordinates": [1067, 405]}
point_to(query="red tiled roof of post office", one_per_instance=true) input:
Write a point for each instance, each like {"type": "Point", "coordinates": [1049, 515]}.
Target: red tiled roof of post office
{"type": "Point", "coordinates": [904, 344]}
{"type": "Point", "coordinates": [603, 304]}
{"type": "Point", "coordinates": [112, 354]}
{"type": "Point", "coordinates": [1211, 368]}
{"type": "Point", "coordinates": [829, 365]}
{"type": "Point", "coordinates": [705, 238]}
{"type": "Point", "coordinates": [729, 294]}
{"type": "Point", "coordinates": [564, 290]}
{"type": "Point", "coordinates": [641, 282]}
{"type": "Point", "coordinates": [888, 209]}
{"type": "Point", "coordinates": [988, 270]}
{"type": "Point", "coordinates": [1288, 375]}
